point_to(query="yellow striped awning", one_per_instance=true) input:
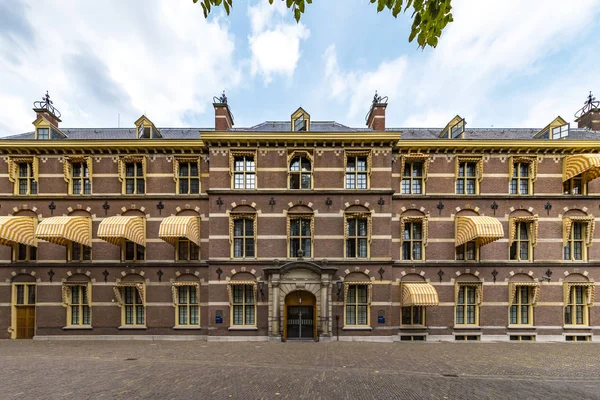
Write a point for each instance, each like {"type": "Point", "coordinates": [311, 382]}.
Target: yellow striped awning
{"type": "Point", "coordinates": [590, 288]}
{"type": "Point", "coordinates": [419, 294]}
{"type": "Point", "coordinates": [65, 230]}
{"type": "Point", "coordinates": [115, 230]}
{"type": "Point", "coordinates": [15, 230]}
{"type": "Point", "coordinates": [581, 163]}
{"type": "Point", "coordinates": [482, 229]}
{"type": "Point", "coordinates": [515, 285]}
{"type": "Point", "coordinates": [175, 227]}
{"type": "Point", "coordinates": [587, 220]}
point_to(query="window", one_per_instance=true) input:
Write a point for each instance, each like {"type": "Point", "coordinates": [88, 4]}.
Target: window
{"type": "Point", "coordinates": [521, 309]}
{"type": "Point", "coordinates": [26, 181]}
{"type": "Point", "coordinates": [80, 252]}
{"type": "Point", "coordinates": [560, 132]}
{"type": "Point", "coordinates": [467, 337]}
{"type": "Point", "coordinates": [575, 249]}
{"type": "Point", "coordinates": [467, 307]}
{"type": "Point", "coordinates": [80, 178]}
{"type": "Point", "coordinates": [357, 172]}
{"type": "Point", "coordinates": [25, 294]}
{"type": "Point", "coordinates": [134, 309]}
{"type": "Point", "coordinates": [413, 315]}
{"type": "Point", "coordinates": [79, 311]}
{"type": "Point", "coordinates": [413, 338]}
{"type": "Point", "coordinates": [43, 133]}
{"type": "Point", "coordinates": [521, 179]}
{"type": "Point", "coordinates": [576, 309]}
{"type": "Point", "coordinates": [467, 251]}
{"type": "Point", "coordinates": [300, 237]}
{"type": "Point", "coordinates": [25, 253]}
{"type": "Point", "coordinates": [187, 306]}
{"type": "Point", "coordinates": [412, 241]}
{"type": "Point", "coordinates": [522, 338]}
{"type": "Point", "coordinates": [575, 186]}
{"type": "Point", "coordinates": [187, 250]}
{"type": "Point", "coordinates": [357, 237]}
{"type": "Point", "coordinates": [466, 181]}
{"type": "Point", "coordinates": [135, 182]}
{"type": "Point", "coordinates": [133, 251]}
{"type": "Point", "coordinates": [244, 172]}
{"type": "Point", "coordinates": [300, 175]}
{"type": "Point", "coordinates": [243, 238]}
{"type": "Point", "coordinates": [244, 307]}
{"type": "Point", "coordinates": [189, 178]}
{"type": "Point", "coordinates": [300, 124]}
{"type": "Point", "coordinates": [578, 338]}
{"type": "Point", "coordinates": [357, 305]}
{"type": "Point", "coordinates": [520, 249]}
{"type": "Point", "coordinates": [412, 178]}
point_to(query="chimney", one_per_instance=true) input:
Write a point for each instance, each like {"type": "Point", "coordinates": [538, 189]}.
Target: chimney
{"type": "Point", "coordinates": [376, 116]}
{"type": "Point", "coordinates": [589, 115]}
{"type": "Point", "coordinates": [223, 115]}
{"type": "Point", "coordinates": [45, 109]}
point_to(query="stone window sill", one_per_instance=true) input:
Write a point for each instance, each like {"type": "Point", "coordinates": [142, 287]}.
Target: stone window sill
{"type": "Point", "coordinates": [188, 328]}
{"type": "Point", "coordinates": [412, 327]}
{"type": "Point", "coordinates": [243, 328]}
{"type": "Point", "coordinates": [357, 328]}
{"type": "Point", "coordinates": [133, 327]}
{"type": "Point", "coordinates": [75, 327]}
{"type": "Point", "coordinates": [581, 327]}
{"type": "Point", "coordinates": [522, 327]}
{"type": "Point", "coordinates": [467, 327]}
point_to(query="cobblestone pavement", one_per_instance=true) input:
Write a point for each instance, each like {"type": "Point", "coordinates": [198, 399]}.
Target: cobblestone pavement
{"type": "Point", "coordinates": [250, 370]}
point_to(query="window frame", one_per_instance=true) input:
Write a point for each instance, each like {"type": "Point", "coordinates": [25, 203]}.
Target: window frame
{"type": "Point", "coordinates": [465, 247]}
{"type": "Point", "coordinates": [466, 178]}
{"type": "Point", "coordinates": [355, 218]}
{"type": "Point", "coordinates": [300, 238]}
{"type": "Point", "coordinates": [190, 245]}
{"type": "Point", "coordinates": [468, 287]}
{"type": "Point", "coordinates": [191, 287]}
{"type": "Point", "coordinates": [518, 303]}
{"type": "Point", "coordinates": [30, 250]}
{"type": "Point", "coordinates": [27, 300]}
{"type": "Point", "coordinates": [517, 165]}
{"type": "Point", "coordinates": [421, 311]}
{"type": "Point", "coordinates": [571, 241]}
{"type": "Point", "coordinates": [243, 237]}
{"type": "Point", "coordinates": [179, 178]}
{"type": "Point", "coordinates": [517, 241]}
{"type": "Point", "coordinates": [135, 304]}
{"type": "Point", "coordinates": [82, 252]}
{"type": "Point", "coordinates": [135, 251]}
{"type": "Point", "coordinates": [301, 155]}
{"type": "Point", "coordinates": [246, 171]}
{"type": "Point", "coordinates": [348, 286]}
{"type": "Point", "coordinates": [32, 185]}
{"type": "Point", "coordinates": [245, 303]}
{"type": "Point", "coordinates": [409, 166]}
{"type": "Point", "coordinates": [411, 222]}
{"type": "Point", "coordinates": [355, 173]}
{"type": "Point", "coordinates": [48, 133]}
{"type": "Point", "coordinates": [573, 304]}
{"type": "Point", "coordinates": [135, 177]}
{"type": "Point", "coordinates": [81, 178]}
{"type": "Point", "coordinates": [570, 184]}
{"type": "Point", "coordinates": [80, 305]}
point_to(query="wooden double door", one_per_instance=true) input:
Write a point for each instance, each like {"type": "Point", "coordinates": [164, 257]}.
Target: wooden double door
{"type": "Point", "coordinates": [25, 322]}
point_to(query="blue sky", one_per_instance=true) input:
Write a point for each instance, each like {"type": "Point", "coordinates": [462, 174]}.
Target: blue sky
{"type": "Point", "coordinates": [508, 63]}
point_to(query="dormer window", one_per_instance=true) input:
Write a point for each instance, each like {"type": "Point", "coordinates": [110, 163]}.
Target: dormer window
{"type": "Point", "coordinates": [300, 121]}
{"type": "Point", "coordinates": [455, 129]}
{"type": "Point", "coordinates": [43, 133]}
{"type": "Point", "coordinates": [560, 132]}
{"type": "Point", "coordinates": [146, 129]}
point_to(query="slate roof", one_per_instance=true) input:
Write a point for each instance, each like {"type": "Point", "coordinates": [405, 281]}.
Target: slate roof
{"type": "Point", "coordinates": [317, 126]}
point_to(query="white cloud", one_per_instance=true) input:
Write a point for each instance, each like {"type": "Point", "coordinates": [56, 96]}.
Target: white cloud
{"type": "Point", "coordinates": [275, 45]}
{"type": "Point", "coordinates": [99, 59]}
{"type": "Point", "coordinates": [490, 46]}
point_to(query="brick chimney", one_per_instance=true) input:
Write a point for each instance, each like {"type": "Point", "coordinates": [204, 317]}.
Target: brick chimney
{"type": "Point", "coordinates": [376, 116]}
{"type": "Point", "coordinates": [223, 115]}
{"type": "Point", "coordinates": [589, 115]}
{"type": "Point", "coordinates": [45, 109]}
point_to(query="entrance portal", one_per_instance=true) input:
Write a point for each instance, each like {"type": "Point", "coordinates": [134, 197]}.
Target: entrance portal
{"type": "Point", "coordinates": [300, 315]}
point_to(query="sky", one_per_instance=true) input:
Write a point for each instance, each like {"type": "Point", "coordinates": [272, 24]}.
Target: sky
{"type": "Point", "coordinates": [508, 63]}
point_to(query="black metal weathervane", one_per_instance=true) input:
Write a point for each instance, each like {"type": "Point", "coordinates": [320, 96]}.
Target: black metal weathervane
{"type": "Point", "coordinates": [589, 104]}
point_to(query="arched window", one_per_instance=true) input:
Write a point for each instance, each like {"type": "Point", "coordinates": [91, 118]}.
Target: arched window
{"type": "Point", "coordinates": [300, 171]}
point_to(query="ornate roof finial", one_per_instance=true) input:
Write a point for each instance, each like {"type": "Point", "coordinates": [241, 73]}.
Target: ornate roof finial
{"type": "Point", "coordinates": [221, 99]}
{"type": "Point", "coordinates": [377, 99]}
{"type": "Point", "coordinates": [590, 104]}
{"type": "Point", "coordinates": [46, 104]}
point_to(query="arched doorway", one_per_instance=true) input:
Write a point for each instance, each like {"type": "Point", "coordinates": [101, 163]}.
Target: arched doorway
{"type": "Point", "coordinates": [300, 315]}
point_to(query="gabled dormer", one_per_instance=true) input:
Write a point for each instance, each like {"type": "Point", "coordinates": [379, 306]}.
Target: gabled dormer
{"type": "Point", "coordinates": [300, 121]}
{"type": "Point", "coordinates": [145, 129]}
{"type": "Point", "coordinates": [45, 130]}
{"type": "Point", "coordinates": [455, 129]}
{"type": "Point", "coordinates": [557, 129]}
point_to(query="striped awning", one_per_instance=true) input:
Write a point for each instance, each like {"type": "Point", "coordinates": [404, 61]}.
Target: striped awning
{"type": "Point", "coordinates": [515, 285]}
{"type": "Point", "coordinates": [419, 294]}
{"type": "Point", "coordinates": [115, 230]}
{"type": "Point", "coordinates": [590, 288]}
{"type": "Point", "coordinates": [589, 222]}
{"type": "Point", "coordinates": [482, 229]}
{"type": "Point", "coordinates": [65, 230]}
{"type": "Point", "coordinates": [175, 227]}
{"type": "Point", "coordinates": [15, 230]}
{"type": "Point", "coordinates": [233, 283]}
{"type": "Point", "coordinates": [581, 163]}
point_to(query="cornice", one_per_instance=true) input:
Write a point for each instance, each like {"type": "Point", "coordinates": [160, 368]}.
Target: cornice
{"type": "Point", "coordinates": [499, 146]}
{"type": "Point", "coordinates": [100, 146]}
{"type": "Point", "coordinates": [242, 138]}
